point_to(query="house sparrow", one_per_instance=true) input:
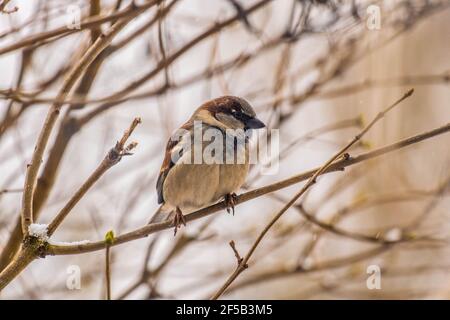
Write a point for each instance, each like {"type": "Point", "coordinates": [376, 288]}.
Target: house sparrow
{"type": "Point", "coordinates": [185, 184]}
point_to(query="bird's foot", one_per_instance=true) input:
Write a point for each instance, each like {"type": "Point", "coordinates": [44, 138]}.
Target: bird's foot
{"type": "Point", "coordinates": [178, 220]}
{"type": "Point", "coordinates": [230, 201]}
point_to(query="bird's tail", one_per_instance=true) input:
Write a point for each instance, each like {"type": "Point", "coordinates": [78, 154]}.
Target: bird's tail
{"type": "Point", "coordinates": [162, 214]}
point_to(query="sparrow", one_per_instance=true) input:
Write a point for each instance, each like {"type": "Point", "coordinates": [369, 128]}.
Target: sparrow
{"type": "Point", "coordinates": [186, 184]}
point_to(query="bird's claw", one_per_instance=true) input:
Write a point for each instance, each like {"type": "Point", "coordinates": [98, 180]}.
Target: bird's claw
{"type": "Point", "coordinates": [230, 201]}
{"type": "Point", "coordinates": [178, 220]}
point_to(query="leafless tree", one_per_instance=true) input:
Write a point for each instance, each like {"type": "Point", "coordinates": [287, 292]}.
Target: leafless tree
{"type": "Point", "coordinates": [363, 173]}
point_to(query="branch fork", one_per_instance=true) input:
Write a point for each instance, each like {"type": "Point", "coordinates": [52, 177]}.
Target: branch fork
{"type": "Point", "coordinates": [239, 259]}
{"type": "Point", "coordinates": [34, 246]}
{"type": "Point", "coordinates": [115, 154]}
{"type": "Point", "coordinates": [312, 180]}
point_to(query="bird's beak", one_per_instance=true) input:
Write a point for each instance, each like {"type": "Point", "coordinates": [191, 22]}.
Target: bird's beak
{"type": "Point", "coordinates": [254, 123]}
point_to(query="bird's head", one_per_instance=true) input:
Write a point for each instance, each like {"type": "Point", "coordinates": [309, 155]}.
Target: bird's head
{"type": "Point", "coordinates": [228, 112]}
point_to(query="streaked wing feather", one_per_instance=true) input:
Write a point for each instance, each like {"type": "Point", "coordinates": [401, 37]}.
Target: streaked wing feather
{"type": "Point", "coordinates": [169, 161]}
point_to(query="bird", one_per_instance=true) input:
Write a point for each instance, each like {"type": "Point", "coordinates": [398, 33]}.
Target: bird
{"type": "Point", "coordinates": [185, 184]}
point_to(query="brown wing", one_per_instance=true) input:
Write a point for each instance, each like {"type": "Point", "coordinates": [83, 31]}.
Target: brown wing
{"type": "Point", "coordinates": [168, 163]}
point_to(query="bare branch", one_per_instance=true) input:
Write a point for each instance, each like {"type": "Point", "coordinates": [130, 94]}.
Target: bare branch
{"type": "Point", "coordinates": [53, 113]}
{"type": "Point", "coordinates": [250, 195]}
{"type": "Point", "coordinates": [309, 183]}
{"type": "Point", "coordinates": [34, 246]}
{"type": "Point", "coordinates": [112, 158]}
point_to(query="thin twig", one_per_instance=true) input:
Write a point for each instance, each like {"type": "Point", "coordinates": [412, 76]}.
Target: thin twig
{"type": "Point", "coordinates": [108, 272]}
{"type": "Point", "coordinates": [112, 158]}
{"type": "Point", "coordinates": [161, 43]}
{"type": "Point", "coordinates": [236, 253]}
{"type": "Point", "coordinates": [3, 9]}
{"type": "Point", "coordinates": [250, 195]}
{"type": "Point", "coordinates": [52, 116]}
{"type": "Point", "coordinates": [128, 13]}
{"type": "Point", "coordinates": [10, 191]}
{"type": "Point", "coordinates": [34, 246]}
{"type": "Point", "coordinates": [240, 268]}
{"type": "Point", "coordinates": [109, 239]}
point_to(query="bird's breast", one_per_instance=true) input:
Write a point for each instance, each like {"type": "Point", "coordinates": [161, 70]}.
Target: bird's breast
{"type": "Point", "coordinates": [194, 186]}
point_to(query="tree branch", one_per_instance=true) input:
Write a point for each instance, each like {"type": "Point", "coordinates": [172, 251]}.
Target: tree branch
{"type": "Point", "coordinates": [93, 22]}
{"type": "Point", "coordinates": [35, 246]}
{"type": "Point", "coordinates": [52, 115]}
{"type": "Point", "coordinates": [250, 195]}
{"type": "Point", "coordinates": [112, 158]}
{"type": "Point", "coordinates": [312, 180]}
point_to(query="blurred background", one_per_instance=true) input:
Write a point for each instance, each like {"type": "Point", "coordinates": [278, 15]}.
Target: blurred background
{"type": "Point", "coordinates": [317, 70]}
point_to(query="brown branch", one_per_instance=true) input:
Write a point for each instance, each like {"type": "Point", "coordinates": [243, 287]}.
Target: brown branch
{"type": "Point", "coordinates": [347, 234]}
{"type": "Point", "coordinates": [236, 253]}
{"type": "Point", "coordinates": [94, 10]}
{"type": "Point", "coordinates": [68, 128]}
{"type": "Point", "coordinates": [34, 246]}
{"type": "Point", "coordinates": [93, 22]}
{"type": "Point", "coordinates": [112, 158]}
{"type": "Point", "coordinates": [325, 265]}
{"type": "Point", "coordinates": [109, 239]}
{"type": "Point", "coordinates": [52, 115]}
{"type": "Point", "coordinates": [79, 98]}
{"type": "Point", "coordinates": [319, 266]}
{"type": "Point", "coordinates": [108, 272]}
{"type": "Point", "coordinates": [313, 134]}
{"type": "Point", "coordinates": [20, 262]}
{"type": "Point", "coordinates": [355, 206]}
{"type": "Point", "coordinates": [312, 180]}
{"type": "Point", "coordinates": [72, 125]}
{"type": "Point", "coordinates": [3, 9]}
{"type": "Point", "coordinates": [250, 195]}
{"type": "Point", "coordinates": [162, 65]}
{"type": "Point", "coordinates": [12, 114]}
{"type": "Point", "coordinates": [147, 274]}
{"type": "Point", "coordinates": [431, 79]}
{"type": "Point", "coordinates": [161, 42]}
{"type": "Point", "coordinates": [3, 191]}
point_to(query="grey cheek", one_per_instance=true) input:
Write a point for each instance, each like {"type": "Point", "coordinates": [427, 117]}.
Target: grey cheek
{"type": "Point", "coordinates": [230, 121]}
{"type": "Point", "coordinates": [237, 123]}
